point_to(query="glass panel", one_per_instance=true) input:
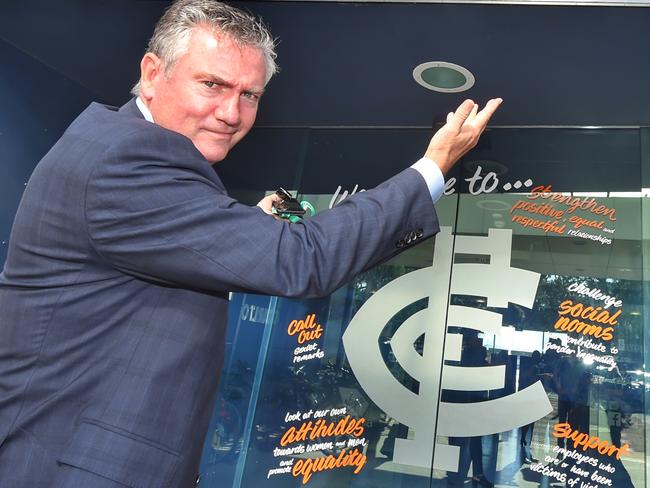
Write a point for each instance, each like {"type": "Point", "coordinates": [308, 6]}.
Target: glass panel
{"type": "Point", "coordinates": [247, 323]}
{"type": "Point", "coordinates": [568, 406]}
{"type": "Point", "coordinates": [312, 408]}
{"type": "Point", "coordinates": [536, 277]}
{"type": "Point", "coordinates": [645, 178]}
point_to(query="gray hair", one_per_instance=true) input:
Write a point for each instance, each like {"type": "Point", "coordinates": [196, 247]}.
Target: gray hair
{"type": "Point", "coordinates": [172, 33]}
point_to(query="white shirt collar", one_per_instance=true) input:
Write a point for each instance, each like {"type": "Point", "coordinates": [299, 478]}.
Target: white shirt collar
{"type": "Point", "coordinates": [143, 108]}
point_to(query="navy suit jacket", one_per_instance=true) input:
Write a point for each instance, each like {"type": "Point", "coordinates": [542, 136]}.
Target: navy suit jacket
{"type": "Point", "coordinates": [113, 298]}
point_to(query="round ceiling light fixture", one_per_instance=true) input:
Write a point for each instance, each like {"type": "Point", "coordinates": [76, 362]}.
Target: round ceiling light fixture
{"type": "Point", "coordinates": [444, 77]}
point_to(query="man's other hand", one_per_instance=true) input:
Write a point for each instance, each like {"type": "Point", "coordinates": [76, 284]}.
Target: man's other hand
{"type": "Point", "coordinates": [460, 133]}
{"type": "Point", "coordinates": [266, 203]}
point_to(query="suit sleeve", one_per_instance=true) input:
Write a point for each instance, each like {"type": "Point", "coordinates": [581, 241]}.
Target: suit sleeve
{"type": "Point", "coordinates": [156, 212]}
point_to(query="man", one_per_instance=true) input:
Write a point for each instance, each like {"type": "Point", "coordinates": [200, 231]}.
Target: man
{"type": "Point", "coordinates": [113, 298]}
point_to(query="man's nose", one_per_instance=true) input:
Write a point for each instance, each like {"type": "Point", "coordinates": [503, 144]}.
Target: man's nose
{"type": "Point", "coordinates": [227, 110]}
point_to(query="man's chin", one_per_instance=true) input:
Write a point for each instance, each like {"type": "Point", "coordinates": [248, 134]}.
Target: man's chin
{"type": "Point", "coordinates": [214, 154]}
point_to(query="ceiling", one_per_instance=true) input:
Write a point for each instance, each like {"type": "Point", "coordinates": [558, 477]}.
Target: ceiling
{"type": "Point", "coordinates": [350, 64]}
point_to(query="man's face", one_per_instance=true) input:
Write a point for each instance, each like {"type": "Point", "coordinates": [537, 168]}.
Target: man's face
{"type": "Point", "coordinates": [212, 93]}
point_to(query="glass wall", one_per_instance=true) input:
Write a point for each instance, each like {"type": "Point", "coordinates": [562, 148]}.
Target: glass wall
{"type": "Point", "coordinates": [508, 350]}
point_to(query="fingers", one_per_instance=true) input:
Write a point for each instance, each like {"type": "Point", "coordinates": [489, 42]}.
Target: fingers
{"type": "Point", "coordinates": [482, 118]}
{"type": "Point", "coordinates": [472, 113]}
{"type": "Point", "coordinates": [461, 115]}
{"type": "Point", "coordinates": [266, 203]}
{"type": "Point", "coordinates": [270, 199]}
{"type": "Point", "coordinates": [460, 134]}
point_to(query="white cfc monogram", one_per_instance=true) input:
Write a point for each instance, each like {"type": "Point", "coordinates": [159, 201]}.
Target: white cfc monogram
{"type": "Point", "coordinates": [423, 412]}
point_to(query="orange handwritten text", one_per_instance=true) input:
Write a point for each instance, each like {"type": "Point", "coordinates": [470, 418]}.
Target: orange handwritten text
{"type": "Point", "coordinates": [573, 203]}
{"type": "Point", "coordinates": [552, 226]}
{"type": "Point", "coordinates": [307, 467]}
{"type": "Point", "coordinates": [541, 209]}
{"type": "Point", "coordinates": [580, 222]}
{"type": "Point", "coordinates": [587, 441]}
{"type": "Point", "coordinates": [321, 428]}
{"type": "Point", "coordinates": [571, 315]}
{"type": "Point", "coordinates": [307, 330]}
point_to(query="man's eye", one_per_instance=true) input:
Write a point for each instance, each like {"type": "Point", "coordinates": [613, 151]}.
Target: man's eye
{"type": "Point", "coordinates": [210, 84]}
{"type": "Point", "coordinates": [250, 96]}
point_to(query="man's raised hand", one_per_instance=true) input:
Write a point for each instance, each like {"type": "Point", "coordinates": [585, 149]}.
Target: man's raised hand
{"type": "Point", "coordinates": [460, 133]}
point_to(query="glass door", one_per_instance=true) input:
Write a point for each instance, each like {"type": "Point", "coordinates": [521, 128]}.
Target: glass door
{"type": "Point", "coordinates": [508, 350]}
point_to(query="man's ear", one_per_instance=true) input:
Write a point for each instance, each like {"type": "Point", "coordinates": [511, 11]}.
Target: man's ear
{"type": "Point", "coordinates": [151, 70]}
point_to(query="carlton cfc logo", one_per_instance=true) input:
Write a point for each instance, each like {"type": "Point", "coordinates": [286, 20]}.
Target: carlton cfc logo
{"type": "Point", "coordinates": [423, 412]}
